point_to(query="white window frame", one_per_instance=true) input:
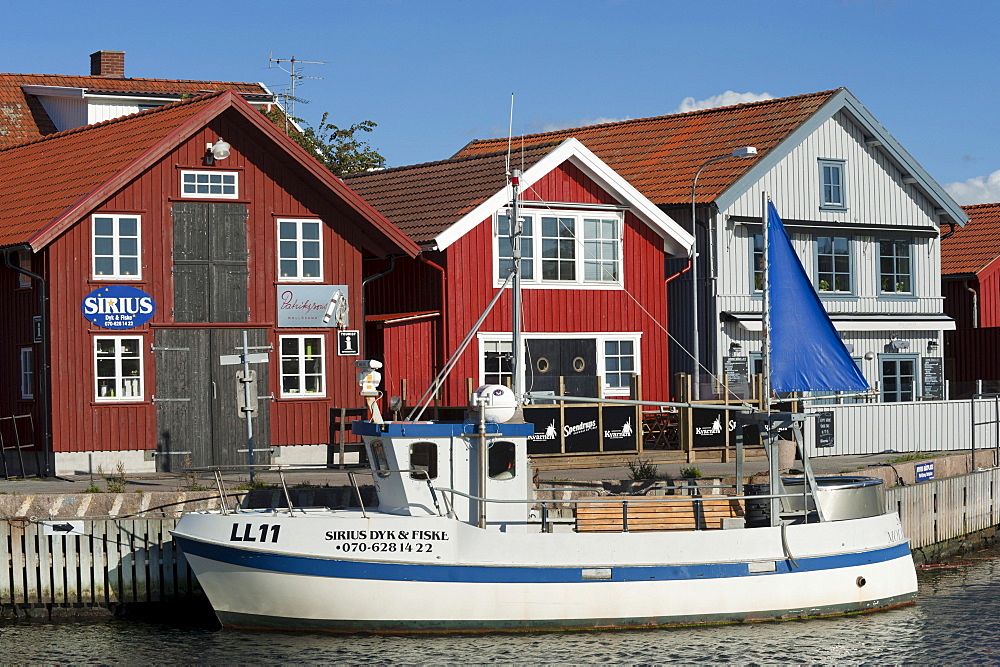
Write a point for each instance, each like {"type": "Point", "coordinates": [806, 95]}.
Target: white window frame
{"type": "Point", "coordinates": [896, 394]}
{"type": "Point", "coordinates": [27, 355]}
{"type": "Point", "coordinates": [635, 337]}
{"type": "Point", "coordinates": [300, 357]}
{"type": "Point", "coordinates": [499, 347]}
{"type": "Point", "coordinates": [757, 260]}
{"type": "Point", "coordinates": [126, 381]}
{"type": "Point", "coordinates": [895, 258]}
{"type": "Point", "coordinates": [831, 203]}
{"type": "Point", "coordinates": [117, 241]}
{"type": "Point", "coordinates": [299, 244]}
{"type": "Point", "coordinates": [610, 390]}
{"type": "Point", "coordinates": [533, 250]}
{"type": "Point", "coordinates": [207, 175]}
{"type": "Point", "coordinates": [833, 272]}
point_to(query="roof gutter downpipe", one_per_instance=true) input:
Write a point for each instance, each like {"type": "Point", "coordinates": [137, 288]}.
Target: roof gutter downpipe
{"type": "Point", "coordinates": [975, 305]}
{"type": "Point", "coordinates": [364, 282]}
{"type": "Point", "coordinates": [43, 350]}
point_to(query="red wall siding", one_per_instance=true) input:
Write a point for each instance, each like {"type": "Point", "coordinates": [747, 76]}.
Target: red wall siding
{"type": "Point", "coordinates": [975, 354]}
{"type": "Point", "coordinates": [17, 308]}
{"type": "Point", "coordinates": [271, 188]}
{"type": "Point", "coordinates": [989, 296]}
{"type": "Point", "coordinates": [958, 300]}
{"type": "Point", "coordinates": [413, 286]}
{"type": "Point", "coordinates": [402, 360]}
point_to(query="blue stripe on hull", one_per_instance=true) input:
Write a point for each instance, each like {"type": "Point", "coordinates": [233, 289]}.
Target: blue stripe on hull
{"type": "Point", "coordinates": [430, 572]}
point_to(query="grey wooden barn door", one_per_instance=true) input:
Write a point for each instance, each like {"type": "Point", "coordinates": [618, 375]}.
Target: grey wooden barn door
{"type": "Point", "coordinates": [210, 262]}
{"type": "Point", "coordinates": [183, 383]}
{"type": "Point", "coordinates": [197, 415]}
{"type": "Point", "coordinates": [229, 427]}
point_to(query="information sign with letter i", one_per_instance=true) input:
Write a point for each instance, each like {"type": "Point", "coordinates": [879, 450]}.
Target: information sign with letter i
{"type": "Point", "coordinates": [347, 343]}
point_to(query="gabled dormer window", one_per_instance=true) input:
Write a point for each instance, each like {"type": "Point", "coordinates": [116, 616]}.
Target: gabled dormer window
{"type": "Point", "coordinates": [563, 249]}
{"type": "Point", "coordinates": [210, 184]}
{"type": "Point", "coordinates": [831, 185]}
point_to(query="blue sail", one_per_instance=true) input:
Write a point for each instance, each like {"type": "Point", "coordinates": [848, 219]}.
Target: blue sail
{"type": "Point", "coordinates": [807, 354]}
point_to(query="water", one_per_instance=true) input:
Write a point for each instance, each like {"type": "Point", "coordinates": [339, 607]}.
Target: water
{"type": "Point", "coordinates": [954, 621]}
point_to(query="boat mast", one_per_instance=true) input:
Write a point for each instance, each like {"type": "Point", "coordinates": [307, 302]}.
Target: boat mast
{"type": "Point", "coordinates": [771, 438]}
{"type": "Point", "coordinates": [517, 355]}
{"type": "Point", "coordinates": [766, 308]}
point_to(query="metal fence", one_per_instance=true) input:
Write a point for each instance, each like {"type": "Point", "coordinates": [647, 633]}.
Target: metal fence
{"type": "Point", "coordinates": [874, 428]}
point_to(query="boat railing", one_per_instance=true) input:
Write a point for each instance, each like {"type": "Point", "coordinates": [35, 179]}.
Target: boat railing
{"type": "Point", "coordinates": [546, 505]}
{"type": "Point", "coordinates": [546, 523]}
{"type": "Point", "coordinates": [220, 471]}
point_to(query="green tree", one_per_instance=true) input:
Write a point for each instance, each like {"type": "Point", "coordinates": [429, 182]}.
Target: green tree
{"type": "Point", "coordinates": [339, 149]}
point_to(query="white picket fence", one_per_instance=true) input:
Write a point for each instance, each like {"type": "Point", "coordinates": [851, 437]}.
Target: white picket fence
{"type": "Point", "coordinates": [925, 426]}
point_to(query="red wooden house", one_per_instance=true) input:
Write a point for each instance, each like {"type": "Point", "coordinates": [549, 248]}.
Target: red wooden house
{"type": "Point", "coordinates": [139, 250]}
{"type": "Point", "coordinates": [594, 276]}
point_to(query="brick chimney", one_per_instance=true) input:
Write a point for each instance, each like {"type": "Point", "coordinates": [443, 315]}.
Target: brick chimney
{"type": "Point", "coordinates": [108, 63]}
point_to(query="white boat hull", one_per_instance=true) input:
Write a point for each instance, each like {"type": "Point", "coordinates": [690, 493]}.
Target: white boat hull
{"type": "Point", "coordinates": [338, 571]}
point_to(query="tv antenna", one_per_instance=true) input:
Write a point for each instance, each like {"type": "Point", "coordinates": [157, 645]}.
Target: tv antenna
{"type": "Point", "coordinates": [288, 97]}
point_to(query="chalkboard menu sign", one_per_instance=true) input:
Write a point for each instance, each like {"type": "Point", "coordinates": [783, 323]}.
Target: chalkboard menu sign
{"type": "Point", "coordinates": [824, 429]}
{"type": "Point", "coordinates": [737, 369]}
{"type": "Point", "coordinates": [932, 379]}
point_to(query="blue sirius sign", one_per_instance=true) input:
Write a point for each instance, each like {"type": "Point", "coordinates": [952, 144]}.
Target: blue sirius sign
{"type": "Point", "coordinates": [118, 307]}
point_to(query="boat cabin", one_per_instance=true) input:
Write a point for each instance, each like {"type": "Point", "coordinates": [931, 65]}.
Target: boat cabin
{"type": "Point", "coordinates": [410, 459]}
{"type": "Point", "coordinates": [445, 468]}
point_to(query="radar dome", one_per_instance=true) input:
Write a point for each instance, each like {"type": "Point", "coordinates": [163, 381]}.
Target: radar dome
{"type": "Point", "coordinates": [497, 402]}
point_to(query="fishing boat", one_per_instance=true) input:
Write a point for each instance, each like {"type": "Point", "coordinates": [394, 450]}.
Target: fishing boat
{"type": "Point", "coordinates": [459, 542]}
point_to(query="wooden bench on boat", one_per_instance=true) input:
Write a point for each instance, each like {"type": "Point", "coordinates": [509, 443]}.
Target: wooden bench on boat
{"type": "Point", "coordinates": [696, 513]}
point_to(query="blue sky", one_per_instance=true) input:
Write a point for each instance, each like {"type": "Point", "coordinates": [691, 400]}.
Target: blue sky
{"type": "Point", "coordinates": [438, 73]}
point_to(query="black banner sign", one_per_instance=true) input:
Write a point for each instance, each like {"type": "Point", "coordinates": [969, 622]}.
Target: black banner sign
{"type": "Point", "coordinates": [710, 427]}
{"type": "Point", "coordinates": [621, 432]}
{"type": "Point", "coordinates": [548, 426]}
{"type": "Point", "coordinates": [580, 428]}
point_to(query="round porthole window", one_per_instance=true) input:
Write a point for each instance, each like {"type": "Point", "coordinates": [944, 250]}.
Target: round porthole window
{"type": "Point", "coordinates": [542, 364]}
{"type": "Point", "coordinates": [579, 364]}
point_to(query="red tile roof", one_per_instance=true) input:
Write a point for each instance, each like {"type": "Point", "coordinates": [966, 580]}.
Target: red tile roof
{"type": "Point", "coordinates": [48, 183]}
{"type": "Point", "coordinates": [22, 116]}
{"type": "Point", "coordinates": [974, 247]}
{"type": "Point", "coordinates": [659, 156]}
{"type": "Point", "coordinates": [41, 179]}
{"type": "Point", "coordinates": [425, 199]}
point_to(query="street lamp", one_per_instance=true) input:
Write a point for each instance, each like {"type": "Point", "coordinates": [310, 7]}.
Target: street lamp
{"type": "Point", "coordinates": [745, 152]}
